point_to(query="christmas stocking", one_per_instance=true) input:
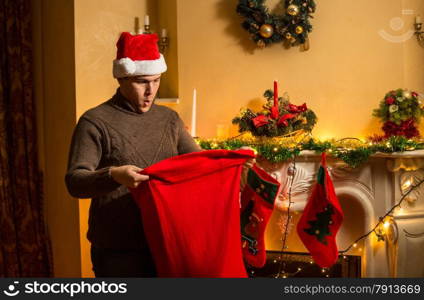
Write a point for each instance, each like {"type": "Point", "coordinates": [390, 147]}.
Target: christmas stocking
{"type": "Point", "coordinates": [321, 220]}
{"type": "Point", "coordinates": [257, 203]}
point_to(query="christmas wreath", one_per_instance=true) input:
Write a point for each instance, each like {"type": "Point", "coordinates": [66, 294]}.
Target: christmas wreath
{"type": "Point", "coordinates": [266, 28]}
{"type": "Point", "coordinates": [279, 117]}
{"type": "Point", "coordinates": [400, 110]}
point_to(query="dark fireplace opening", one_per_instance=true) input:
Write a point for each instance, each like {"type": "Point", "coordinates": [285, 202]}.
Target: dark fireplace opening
{"type": "Point", "coordinates": [296, 264]}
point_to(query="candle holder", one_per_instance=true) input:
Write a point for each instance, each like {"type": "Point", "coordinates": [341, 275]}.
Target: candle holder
{"type": "Point", "coordinates": [147, 29]}
{"type": "Point", "coordinates": [163, 43]}
{"type": "Point", "coordinates": [419, 33]}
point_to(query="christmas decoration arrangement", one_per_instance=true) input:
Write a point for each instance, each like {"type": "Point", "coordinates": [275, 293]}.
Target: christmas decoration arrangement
{"type": "Point", "coordinates": [401, 111]}
{"type": "Point", "coordinates": [279, 117]}
{"type": "Point", "coordinates": [266, 28]}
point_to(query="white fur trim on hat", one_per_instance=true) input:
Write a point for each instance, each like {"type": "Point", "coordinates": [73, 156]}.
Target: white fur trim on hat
{"type": "Point", "coordinates": [126, 67]}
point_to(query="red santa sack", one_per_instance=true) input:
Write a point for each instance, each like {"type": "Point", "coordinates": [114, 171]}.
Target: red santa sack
{"type": "Point", "coordinates": [191, 214]}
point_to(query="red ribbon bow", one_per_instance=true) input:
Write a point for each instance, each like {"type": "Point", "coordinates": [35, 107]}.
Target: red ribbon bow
{"type": "Point", "coordinates": [260, 120]}
{"type": "Point", "coordinates": [283, 119]}
{"type": "Point", "coordinates": [295, 109]}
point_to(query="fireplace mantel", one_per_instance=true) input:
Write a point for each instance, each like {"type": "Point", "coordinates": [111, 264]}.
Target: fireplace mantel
{"type": "Point", "coordinates": [365, 193]}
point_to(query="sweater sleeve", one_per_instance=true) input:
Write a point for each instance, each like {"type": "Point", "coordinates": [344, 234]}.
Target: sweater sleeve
{"type": "Point", "coordinates": [83, 178]}
{"type": "Point", "coordinates": [186, 144]}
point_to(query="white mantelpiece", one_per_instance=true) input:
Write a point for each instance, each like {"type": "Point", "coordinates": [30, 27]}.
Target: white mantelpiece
{"type": "Point", "coordinates": [366, 193]}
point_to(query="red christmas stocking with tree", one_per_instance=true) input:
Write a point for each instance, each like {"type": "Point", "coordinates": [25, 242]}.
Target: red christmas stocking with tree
{"type": "Point", "coordinates": [321, 220]}
{"type": "Point", "coordinates": [257, 203]}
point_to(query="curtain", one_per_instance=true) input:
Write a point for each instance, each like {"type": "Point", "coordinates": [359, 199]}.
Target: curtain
{"type": "Point", "coordinates": [24, 244]}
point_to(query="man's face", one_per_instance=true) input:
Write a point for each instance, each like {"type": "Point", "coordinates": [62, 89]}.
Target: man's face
{"type": "Point", "coordinates": [140, 90]}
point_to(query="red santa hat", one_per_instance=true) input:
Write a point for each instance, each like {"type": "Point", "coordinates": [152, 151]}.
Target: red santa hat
{"type": "Point", "coordinates": [138, 55]}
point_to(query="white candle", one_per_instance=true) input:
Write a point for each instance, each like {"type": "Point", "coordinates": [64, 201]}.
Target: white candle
{"type": "Point", "coordinates": [193, 114]}
{"type": "Point", "coordinates": [146, 20]}
{"type": "Point", "coordinates": [164, 33]}
{"type": "Point", "coordinates": [418, 19]}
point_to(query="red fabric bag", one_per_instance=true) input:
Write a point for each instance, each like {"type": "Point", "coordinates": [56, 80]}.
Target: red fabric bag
{"type": "Point", "coordinates": [191, 214]}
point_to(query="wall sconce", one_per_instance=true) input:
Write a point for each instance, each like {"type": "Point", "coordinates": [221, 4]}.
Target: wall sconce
{"type": "Point", "coordinates": [146, 24]}
{"type": "Point", "coordinates": [164, 41]}
{"type": "Point", "coordinates": [419, 30]}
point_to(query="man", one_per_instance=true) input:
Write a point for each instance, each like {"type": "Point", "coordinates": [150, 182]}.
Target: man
{"type": "Point", "coordinates": [111, 144]}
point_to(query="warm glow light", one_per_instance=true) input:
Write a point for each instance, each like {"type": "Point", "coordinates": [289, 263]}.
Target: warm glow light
{"type": "Point", "coordinates": [406, 184]}
{"type": "Point", "coordinates": [275, 149]}
{"type": "Point", "coordinates": [355, 245]}
{"type": "Point", "coordinates": [386, 224]}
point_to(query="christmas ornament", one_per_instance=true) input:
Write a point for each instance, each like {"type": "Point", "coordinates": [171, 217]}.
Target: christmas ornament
{"type": "Point", "coordinates": [293, 10]}
{"type": "Point", "coordinates": [261, 44]}
{"type": "Point", "coordinates": [400, 111]}
{"type": "Point", "coordinates": [276, 119]}
{"type": "Point", "coordinates": [299, 29]}
{"type": "Point", "coordinates": [406, 94]}
{"type": "Point", "coordinates": [257, 204]}
{"type": "Point", "coordinates": [266, 28]}
{"type": "Point", "coordinates": [266, 31]}
{"type": "Point", "coordinates": [291, 171]}
{"type": "Point", "coordinates": [321, 220]}
{"type": "Point", "coordinates": [288, 36]}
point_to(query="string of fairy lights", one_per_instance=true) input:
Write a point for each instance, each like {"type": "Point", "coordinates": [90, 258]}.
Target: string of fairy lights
{"type": "Point", "coordinates": [352, 151]}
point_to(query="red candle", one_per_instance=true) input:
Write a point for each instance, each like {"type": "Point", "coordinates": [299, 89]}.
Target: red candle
{"type": "Point", "coordinates": [275, 93]}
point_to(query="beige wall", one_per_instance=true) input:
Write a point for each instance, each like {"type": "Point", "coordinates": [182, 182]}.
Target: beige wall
{"type": "Point", "coordinates": [54, 74]}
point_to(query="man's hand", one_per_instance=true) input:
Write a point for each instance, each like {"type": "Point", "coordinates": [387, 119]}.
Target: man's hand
{"type": "Point", "coordinates": [250, 162]}
{"type": "Point", "coordinates": [247, 165]}
{"type": "Point", "coordinates": [128, 175]}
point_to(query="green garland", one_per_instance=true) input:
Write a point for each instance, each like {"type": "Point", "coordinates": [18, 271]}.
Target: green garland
{"type": "Point", "coordinates": [353, 153]}
{"type": "Point", "coordinates": [266, 28]}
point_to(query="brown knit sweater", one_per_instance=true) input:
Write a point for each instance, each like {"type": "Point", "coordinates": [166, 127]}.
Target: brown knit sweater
{"type": "Point", "coordinates": [114, 134]}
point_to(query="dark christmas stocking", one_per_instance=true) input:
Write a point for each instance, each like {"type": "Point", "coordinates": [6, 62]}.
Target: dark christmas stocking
{"type": "Point", "coordinates": [321, 220]}
{"type": "Point", "coordinates": [257, 203]}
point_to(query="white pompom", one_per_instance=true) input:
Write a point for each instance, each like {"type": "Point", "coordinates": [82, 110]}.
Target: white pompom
{"type": "Point", "coordinates": [125, 66]}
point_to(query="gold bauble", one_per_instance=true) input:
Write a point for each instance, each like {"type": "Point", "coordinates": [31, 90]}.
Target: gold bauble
{"type": "Point", "coordinates": [288, 35]}
{"type": "Point", "coordinates": [265, 112]}
{"type": "Point", "coordinates": [293, 10]}
{"type": "Point", "coordinates": [266, 31]}
{"type": "Point", "coordinates": [299, 29]}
